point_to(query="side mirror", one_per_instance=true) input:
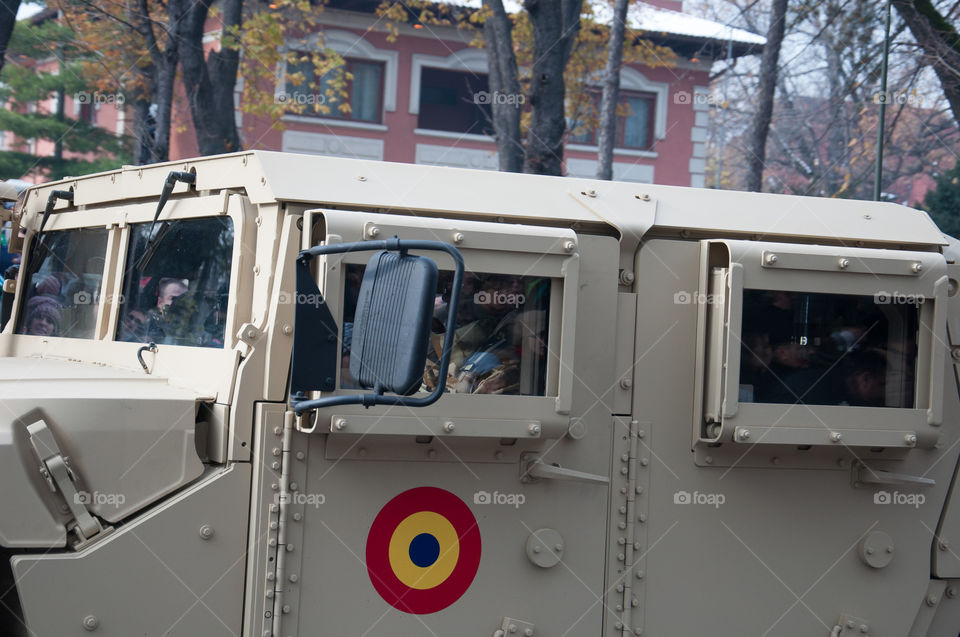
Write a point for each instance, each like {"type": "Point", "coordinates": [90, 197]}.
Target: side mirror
{"type": "Point", "coordinates": [391, 327]}
{"type": "Point", "coordinates": [391, 330]}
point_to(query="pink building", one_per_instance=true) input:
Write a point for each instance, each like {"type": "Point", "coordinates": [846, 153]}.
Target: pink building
{"type": "Point", "coordinates": [421, 98]}
{"type": "Point", "coordinates": [104, 110]}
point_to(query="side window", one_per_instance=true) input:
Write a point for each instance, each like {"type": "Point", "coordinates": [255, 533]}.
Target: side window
{"type": "Point", "coordinates": [828, 349]}
{"type": "Point", "coordinates": [364, 90]}
{"type": "Point", "coordinates": [62, 286]}
{"type": "Point", "coordinates": [454, 101]}
{"type": "Point", "coordinates": [500, 345]}
{"type": "Point", "coordinates": [176, 283]}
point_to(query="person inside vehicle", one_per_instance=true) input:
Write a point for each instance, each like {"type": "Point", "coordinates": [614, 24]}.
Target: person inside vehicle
{"type": "Point", "coordinates": [42, 316]}
{"type": "Point", "coordinates": [154, 323]}
{"type": "Point", "coordinates": [168, 291]}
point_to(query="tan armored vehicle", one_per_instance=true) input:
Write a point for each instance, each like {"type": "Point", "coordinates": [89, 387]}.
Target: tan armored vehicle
{"type": "Point", "coordinates": [273, 395]}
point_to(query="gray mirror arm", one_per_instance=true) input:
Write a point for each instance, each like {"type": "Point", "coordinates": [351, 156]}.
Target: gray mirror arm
{"type": "Point", "coordinates": [376, 398]}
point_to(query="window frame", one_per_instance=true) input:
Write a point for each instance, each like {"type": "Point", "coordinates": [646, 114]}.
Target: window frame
{"type": "Point", "coordinates": [728, 267]}
{"type": "Point", "coordinates": [335, 113]}
{"type": "Point", "coordinates": [486, 247]}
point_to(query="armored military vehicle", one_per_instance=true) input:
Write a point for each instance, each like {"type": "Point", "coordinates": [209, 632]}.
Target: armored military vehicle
{"type": "Point", "coordinates": [265, 394]}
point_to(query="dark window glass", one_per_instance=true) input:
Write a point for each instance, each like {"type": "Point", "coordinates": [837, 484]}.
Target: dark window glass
{"type": "Point", "coordinates": [634, 126]}
{"type": "Point", "coordinates": [62, 287]}
{"type": "Point", "coordinates": [500, 346]}
{"type": "Point", "coordinates": [454, 101]}
{"type": "Point", "coordinates": [364, 90]}
{"type": "Point", "coordinates": [828, 349]}
{"type": "Point", "coordinates": [177, 282]}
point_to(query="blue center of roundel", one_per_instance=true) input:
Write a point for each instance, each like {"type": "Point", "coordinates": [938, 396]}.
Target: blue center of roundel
{"type": "Point", "coordinates": [424, 550]}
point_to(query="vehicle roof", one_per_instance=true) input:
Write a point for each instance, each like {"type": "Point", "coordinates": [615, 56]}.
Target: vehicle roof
{"type": "Point", "coordinates": [628, 210]}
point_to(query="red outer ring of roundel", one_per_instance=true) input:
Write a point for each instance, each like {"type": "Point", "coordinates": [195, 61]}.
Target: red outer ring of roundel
{"type": "Point", "coordinates": [386, 583]}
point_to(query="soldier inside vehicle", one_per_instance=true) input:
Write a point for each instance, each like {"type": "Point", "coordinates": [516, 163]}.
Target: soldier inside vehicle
{"type": "Point", "coordinates": [500, 345]}
{"type": "Point", "coordinates": [828, 349]}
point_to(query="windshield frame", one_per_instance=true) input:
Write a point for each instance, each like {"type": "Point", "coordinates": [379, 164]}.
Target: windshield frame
{"type": "Point", "coordinates": [117, 219]}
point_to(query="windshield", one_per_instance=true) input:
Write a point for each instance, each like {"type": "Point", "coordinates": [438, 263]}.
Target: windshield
{"type": "Point", "coordinates": [62, 287]}
{"type": "Point", "coordinates": [179, 293]}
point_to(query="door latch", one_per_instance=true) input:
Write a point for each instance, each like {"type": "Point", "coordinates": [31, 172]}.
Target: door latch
{"type": "Point", "coordinates": [60, 477]}
{"type": "Point", "coordinates": [532, 467]}
{"type": "Point", "coordinates": [862, 474]}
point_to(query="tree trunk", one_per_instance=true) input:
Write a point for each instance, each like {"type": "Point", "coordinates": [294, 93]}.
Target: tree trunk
{"type": "Point", "coordinates": [833, 168]}
{"type": "Point", "coordinates": [504, 79]}
{"type": "Point", "coordinates": [8, 18]}
{"type": "Point", "coordinates": [768, 83]}
{"type": "Point", "coordinates": [164, 64]}
{"type": "Point", "coordinates": [607, 129]}
{"type": "Point", "coordinates": [555, 27]}
{"type": "Point", "coordinates": [210, 80]}
{"type": "Point", "coordinates": [144, 124]}
{"type": "Point", "coordinates": [940, 43]}
{"type": "Point", "coordinates": [166, 76]}
{"type": "Point", "coordinates": [61, 116]}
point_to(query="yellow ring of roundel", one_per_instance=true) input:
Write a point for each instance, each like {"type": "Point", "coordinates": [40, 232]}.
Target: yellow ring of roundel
{"type": "Point", "coordinates": [421, 577]}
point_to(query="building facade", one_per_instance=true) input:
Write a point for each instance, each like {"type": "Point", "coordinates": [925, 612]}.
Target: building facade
{"type": "Point", "coordinates": [423, 98]}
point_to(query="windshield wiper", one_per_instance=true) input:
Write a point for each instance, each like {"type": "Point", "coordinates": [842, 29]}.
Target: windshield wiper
{"type": "Point", "coordinates": [152, 242]}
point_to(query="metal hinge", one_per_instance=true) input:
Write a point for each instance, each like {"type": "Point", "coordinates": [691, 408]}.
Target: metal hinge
{"type": "Point", "coordinates": [60, 477]}
{"type": "Point", "coordinates": [276, 579]}
{"type": "Point", "coordinates": [631, 528]}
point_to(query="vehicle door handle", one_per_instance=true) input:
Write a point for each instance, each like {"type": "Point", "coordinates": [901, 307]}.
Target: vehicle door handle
{"type": "Point", "coordinates": [532, 467]}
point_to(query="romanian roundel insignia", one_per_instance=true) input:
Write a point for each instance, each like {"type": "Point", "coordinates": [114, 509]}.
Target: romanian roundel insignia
{"type": "Point", "coordinates": [423, 550]}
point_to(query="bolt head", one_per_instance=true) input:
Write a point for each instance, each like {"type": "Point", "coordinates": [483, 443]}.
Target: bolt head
{"type": "Point", "coordinates": [743, 434]}
{"type": "Point", "coordinates": [458, 237]}
{"type": "Point", "coordinates": [206, 531]}
{"type": "Point", "coordinates": [90, 622]}
{"type": "Point", "coordinates": [771, 259]}
{"type": "Point", "coordinates": [448, 427]}
{"type": "Point", "coordinates": [569, 246]}
{"type": "Point", "coordinates": [843, 263]}
{"type": "Point", "coordinates": [836, 436]}
{"type": "Point", "coordinates": [534, 429]}
{"type": "Point", "coordinates": [917, 267]}
{"type": "Point", "coordinates": [373, 232]}
{"type": "Point", "coordinates": [910, 439]}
